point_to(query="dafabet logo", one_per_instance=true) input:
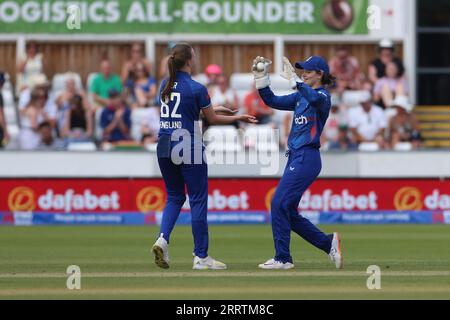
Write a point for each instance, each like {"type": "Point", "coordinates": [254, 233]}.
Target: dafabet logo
{"type": "Point", "coordinates": [408, 198]}
{"type": "Point", "coordinates": [26, 199]}
{"type": "Point", "coordinates": [150, 199]}
{"type": "Point", "coordinates": [21, 199]}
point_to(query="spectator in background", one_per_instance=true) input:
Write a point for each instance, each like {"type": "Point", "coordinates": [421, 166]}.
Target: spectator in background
{"type": "Point", "coordinates": [213, 71]}
{"type": "Point", "coordinates": [103, 83]}
{"type": "Point", "coordinates": [63, 101]}
{"type": "Point", "coordinates": [150, 127]}
{"type": "Point", "coordinates": [42, 85]}
{"type": "Point", "coordinates": [377, 69]}
{"type": "Point", "coordinates": [389, 86]}
{"type": "Point", "coordinates": [136, 58]}
{"type": "Point", "coordinates": [222, 95]}
{"type": "Point", "coordinates": [163, 66]}
{"type": "Point", "coordinates": [346, 69]}
{"type": "Point", "coordinates": [344, 142]}
{"type": "Point", "coordinates": [141, 88]}
{"type": "Point", "coordinates": [367, 122]}
{"type": "Point", "coordinates": [115, 119]}
{"type": "Point", "coordinates": [30, 118]}
{"type": "Point", "coordinates": [330, 135]}
{"type": "Point", "coordinates": [256, 107]}
{"type": "Point", "coordinates": [47, 140]}
{"type": "Point", "coordinates": [29, 65]}
{"type": "Point", "coordinates": [404, 127]}
{"type": "Point", "coordinates": [4, 136]}
{"type": "Point", "coordinates": [78, 120]}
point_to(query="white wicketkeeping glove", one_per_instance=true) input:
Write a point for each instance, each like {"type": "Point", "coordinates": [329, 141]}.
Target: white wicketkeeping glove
{"type": "Point", "coordinates": [289, 73]}
{"type": "Point", "coordinates": [261, 76]}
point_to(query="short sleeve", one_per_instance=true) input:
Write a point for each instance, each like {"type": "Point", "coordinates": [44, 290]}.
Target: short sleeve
{"type": "Point", "coordinates": [51, 108]}
{"type": "Point", "coordinates": [352, 119]}
{"type": "Point", "coordinates": [151, 81]}
{"type": "Point", "coordinates": [94, 85]}
{"type": "Point", "coordinates": [383, 119]}
{"type": "Point", "coordinates": [203, 99]}
{"type": "Point", "coordinates": [378, 85]}
{"type": "Point", "coordinates": [118, 83]}
{"type": "Point", "coordinates": [24, 98]}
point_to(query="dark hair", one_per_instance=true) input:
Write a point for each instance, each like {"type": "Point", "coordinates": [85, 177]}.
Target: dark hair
{"type": "Point", "coordinates": [35, 94]}
{"type": "Point", "coordinates": [181, 53]}
{"type": "Point", "coordinates": [76, 99]}
{"type": "Point", "coordinates": [76, 104]}
{"type": "Point", "coordinates": [31, 43]}
{"type": "Point", "coordinates": [328, 80]}
{"type": "Point", "coordinates": [134, 71]}
{"type": "Point", "coordinates": [343, 47]}
{"type": "Point", "coordinates": [43, 125]}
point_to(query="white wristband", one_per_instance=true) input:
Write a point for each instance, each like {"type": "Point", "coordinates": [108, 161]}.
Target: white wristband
{"type": "Point", "coordinates": [263, 82]}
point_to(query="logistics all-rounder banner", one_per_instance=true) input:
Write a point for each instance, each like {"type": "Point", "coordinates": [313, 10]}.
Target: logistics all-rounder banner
{"type": "Point", "coordinates": [170, 16]}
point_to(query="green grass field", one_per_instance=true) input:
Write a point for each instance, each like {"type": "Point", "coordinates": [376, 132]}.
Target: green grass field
{"type": "Point", "coordinates": [116, 263]}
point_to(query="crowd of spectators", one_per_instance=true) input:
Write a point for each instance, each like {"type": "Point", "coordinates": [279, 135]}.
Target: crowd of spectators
{"type": "Point", "coordinates": [378, 116]}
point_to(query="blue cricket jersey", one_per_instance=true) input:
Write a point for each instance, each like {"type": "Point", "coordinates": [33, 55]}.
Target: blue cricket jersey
{"type": "Point", "coordinates": [182, 110]}
{"type": "Point", "coordinates": [311, 109]}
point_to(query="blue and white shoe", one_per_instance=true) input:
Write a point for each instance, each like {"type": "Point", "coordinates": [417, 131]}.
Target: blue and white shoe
{"type": "Point", "coordinates": [273, 264]}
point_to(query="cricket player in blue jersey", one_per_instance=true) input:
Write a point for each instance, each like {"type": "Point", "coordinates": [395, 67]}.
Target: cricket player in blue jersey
{"type": "Point", "coordinates": [311, 105]}
{"type": "Point", "coordinates": [180, 153]}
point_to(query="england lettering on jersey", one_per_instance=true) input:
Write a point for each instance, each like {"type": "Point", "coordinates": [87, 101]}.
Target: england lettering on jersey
{"type": "Point", "coordinates": [166, 113]}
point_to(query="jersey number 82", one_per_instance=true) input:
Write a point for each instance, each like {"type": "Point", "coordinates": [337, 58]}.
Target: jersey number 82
{"type": "Point", "coordinates": [165, 110]}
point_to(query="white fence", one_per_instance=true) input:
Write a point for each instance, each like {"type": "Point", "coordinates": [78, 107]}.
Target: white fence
{"type": "Point", "coordinates": [418, 164]}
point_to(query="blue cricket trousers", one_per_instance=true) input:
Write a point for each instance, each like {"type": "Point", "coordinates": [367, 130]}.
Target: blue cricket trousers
{"type": "Point", "coordinates": [195, 178]}
{"type": "Point", "coordinates": [302, 169]}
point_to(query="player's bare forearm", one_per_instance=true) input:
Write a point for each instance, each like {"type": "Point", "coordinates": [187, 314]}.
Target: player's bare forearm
{"type": "Point", "coordinates": [224, 110]}
{"type": "Point", "coordinates": [222, 119]}
{"type": "Point", "coordinates": [214, 118]}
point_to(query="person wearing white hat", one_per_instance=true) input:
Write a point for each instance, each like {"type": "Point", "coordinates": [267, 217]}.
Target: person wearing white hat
{"type": "Point", "coordinates": [367, 122]}
{"type": "Point", "coordinates": [386, 51]}
{"type": "Point", "coordinates": [40, 82]}
{"type": "Point", "coordinates": [404, 126]}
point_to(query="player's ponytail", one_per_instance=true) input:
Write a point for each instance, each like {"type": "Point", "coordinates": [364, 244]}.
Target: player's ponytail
{"type": "Point", "coordinates": [180, 55]}
{"type": "Point", "coordinates": [328, 80]}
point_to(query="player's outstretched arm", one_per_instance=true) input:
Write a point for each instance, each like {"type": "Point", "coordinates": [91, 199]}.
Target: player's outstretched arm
{"type": "Point", "coordinates": [311, 95]}
{"type": "Point", "coordinates": [224, 110]}
{"type": "Point", "coordinates": [260, 70]}
{"type": "Point", "coordinates": [214, 118]}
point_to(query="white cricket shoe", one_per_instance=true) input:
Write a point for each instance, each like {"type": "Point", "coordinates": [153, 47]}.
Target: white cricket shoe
{"type": "Point", "coordinates": [208, 263]}
{"type": "Point", "coordinates": [161, 251]}
{"type": "Point", "coordinates": [335, 252]}
{"type": "Point", "coordinates": [273, 264]}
